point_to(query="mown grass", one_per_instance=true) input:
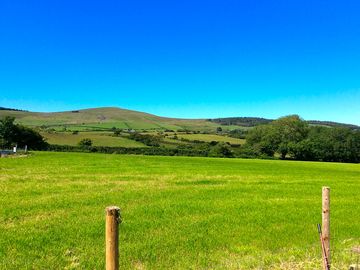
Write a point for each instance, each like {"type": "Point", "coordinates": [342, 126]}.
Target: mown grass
{"type": "Point", "coordinates": [178, 212]}
{"type": "Point", "coordinates": [98, 139]}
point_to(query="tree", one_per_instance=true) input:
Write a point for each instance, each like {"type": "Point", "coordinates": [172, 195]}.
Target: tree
{"type": "Point", "coordinates": [263, 140]}
{"type": "Point", "coordinates": [146, 139]}
{"type": "Point", "coordinates": [221, 149]}
{"type": "Point", "coordinates": [289, 129]}
{"type": "Point", "coordinates": [86, 142]}
{"type": "Point", "coordinates": [117, 131]}
{"type": "Point", "coordinates": [15, 134]}
{"type": "Point", "coordinates": [31, 138]}
{"type": "Point", "coordinates": [7, 131]}
{"type": "Point", "coordinates": [291, 136]}
{"type": "Point", "coordinates": [278, 136]}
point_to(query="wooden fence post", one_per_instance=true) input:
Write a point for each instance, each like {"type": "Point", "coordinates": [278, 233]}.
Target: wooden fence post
{"type": "Point", "coordinates": [326, 220]}
{"type": "Point", "coordinates": [112, 237]}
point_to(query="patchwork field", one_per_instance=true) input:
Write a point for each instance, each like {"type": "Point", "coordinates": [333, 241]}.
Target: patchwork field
{"type": "Point", "coordinates": [98, 139]}
{"type": "Point", "coordinates": [178, 212]}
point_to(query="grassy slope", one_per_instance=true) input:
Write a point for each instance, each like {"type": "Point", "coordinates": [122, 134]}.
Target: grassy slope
{"type": "Point", "coordinates": [107, 117]}
{"type": "Point", "coordinates": [178, 212]}
{"type": "Point", "coordinates": [98, 139]}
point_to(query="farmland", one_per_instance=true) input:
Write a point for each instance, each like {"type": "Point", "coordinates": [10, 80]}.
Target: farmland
{"type": "Point", "coordinates": [98, 139]}
{"type": "Point", "coordinates": [178, 212]}
{"type": "Point", "coordinates": [211, 137]}
{"type": "Point", "coordinates": [122, 128]}
{"type": "Point", "coordinates": [98, 124]}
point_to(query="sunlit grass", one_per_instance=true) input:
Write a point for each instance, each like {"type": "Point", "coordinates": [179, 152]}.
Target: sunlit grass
{"type": "Point", "coordinates": [178, 212]}
{"type": "Point", "coordinates": [97, 138]}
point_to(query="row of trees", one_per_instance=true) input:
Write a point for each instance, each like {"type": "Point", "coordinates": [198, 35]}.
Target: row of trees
{"type": "Point", "coordinates": [149, 140]}
{"type": "Point", "coordinates": [200, 150]}
{"type": "Point", "coordinates": [12, 134]}
{"type": "Point", "coordinates": [291, 137]}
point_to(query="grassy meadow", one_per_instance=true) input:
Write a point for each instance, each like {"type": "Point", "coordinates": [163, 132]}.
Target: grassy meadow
{"type": "Point", "coordinates": [211, 137]}
{"type": "Point", "coordinates": [178, 212]}
{"type": "Point", "coordinates": [98, 139]}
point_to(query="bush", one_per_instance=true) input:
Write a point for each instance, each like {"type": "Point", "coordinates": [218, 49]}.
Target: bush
{"type": "Point", "coordinates": [86, 142]}
{"type": "Point", "coordinates": [221, 150]}
{"type": "Point", "coordinates": [146, 139]}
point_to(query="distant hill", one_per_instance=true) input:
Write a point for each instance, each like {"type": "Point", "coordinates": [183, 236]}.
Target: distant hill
{"type": "Point", "coordinates": [332, 124]}
{"type": "Point", "coordinates": [255, 121]}
{"type": "Point", "coordinates": [9, 109]}
{"type": "Point", "coordinates": [241, 121]}
{"type": "Point", "coordinates": [106, 118]}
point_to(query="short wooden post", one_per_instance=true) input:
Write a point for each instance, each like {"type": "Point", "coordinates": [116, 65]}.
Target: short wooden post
{"type": "Point", "coordinates": [112, 237]}
{"type": "Point", "coordinates": [326, 220]}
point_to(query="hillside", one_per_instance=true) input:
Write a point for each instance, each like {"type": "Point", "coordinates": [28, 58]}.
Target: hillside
{"type": "Point", "coordinates": [106, 118]}
{"type": "Point", "coordinates": [145, 133]}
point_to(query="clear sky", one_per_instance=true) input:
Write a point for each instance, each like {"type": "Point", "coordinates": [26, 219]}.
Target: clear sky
{"type": "Point", "coordinates": [183, 58]}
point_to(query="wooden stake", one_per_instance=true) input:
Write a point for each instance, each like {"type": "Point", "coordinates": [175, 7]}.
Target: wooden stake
{"type": "Point", "coordinates": [112, 237]}
{"type": "Point", "coordinates": [326, 220]}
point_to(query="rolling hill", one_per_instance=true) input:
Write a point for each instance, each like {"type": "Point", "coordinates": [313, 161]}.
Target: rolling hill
{"type": "Point", "coordinates": [106, 118]}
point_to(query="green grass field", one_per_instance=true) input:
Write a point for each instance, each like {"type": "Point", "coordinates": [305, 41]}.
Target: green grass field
{"type": "Point", "coordinates": [211, 137]}
{"type": "Point", "coordinates": [103, 138]}
{"type": "Point", "coordinates": [178, 212]}
{"type": "Point", "coordinates": [98, 139]}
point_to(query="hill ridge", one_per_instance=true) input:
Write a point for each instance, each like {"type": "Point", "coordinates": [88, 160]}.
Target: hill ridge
{"type": "Point", "coordinates": [109, 117]}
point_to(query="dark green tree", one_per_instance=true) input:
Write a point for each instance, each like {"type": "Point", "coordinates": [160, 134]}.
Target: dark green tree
{"type": "Point", "coordinates": [117, 131]}
{"type": "Point", "coordinates": [289, 130]}
{"type": "Point", "coordinates": [86, 142]}
{"type": "Point", "coordinates": [8, 131]}
{"type": "Point", "coordinates": [221, 150]}
{"type": "Point", "coordinates": [15, 134]}
{"type": "Point", "coordinates": [278, 136]}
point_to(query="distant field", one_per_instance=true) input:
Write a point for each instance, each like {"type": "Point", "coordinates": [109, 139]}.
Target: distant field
{"type": "Point", "coordinates": [107, 139]}
{"type": "Point", "coordinates": [211, 137]}
{"type": "Point", "coordinates": [98, 139]}
{"type": "Point", "coordinates": [178, 212]}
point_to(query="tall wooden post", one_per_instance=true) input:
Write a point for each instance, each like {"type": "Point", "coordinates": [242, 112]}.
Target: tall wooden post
{"type": "Point", "coordinates": [326, 220]}
{"type": "Point", "coordinates": [112, 237]}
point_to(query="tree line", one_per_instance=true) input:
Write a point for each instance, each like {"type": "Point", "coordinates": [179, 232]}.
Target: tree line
{"type": "Point", "coordinates": [291, 137]}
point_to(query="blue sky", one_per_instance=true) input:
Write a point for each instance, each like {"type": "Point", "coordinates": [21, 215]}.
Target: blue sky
{"type": "Point", "coordinates": [184, 58]}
